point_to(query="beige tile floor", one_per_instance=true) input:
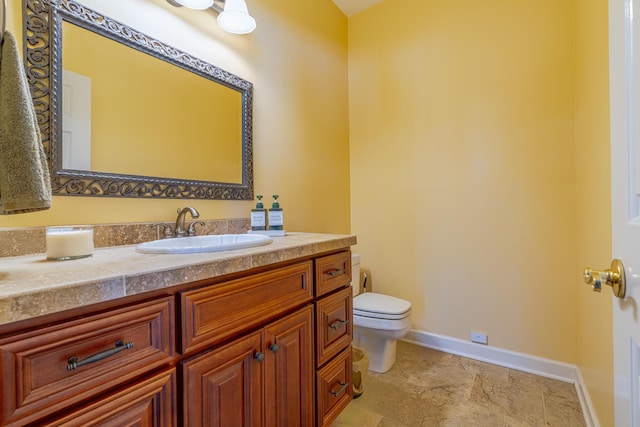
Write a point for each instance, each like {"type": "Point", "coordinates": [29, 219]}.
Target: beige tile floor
{"type": "Point", "coordinates": [430, 388]}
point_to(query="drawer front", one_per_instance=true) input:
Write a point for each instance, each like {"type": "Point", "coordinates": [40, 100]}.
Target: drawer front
{"type": "Point", "coordinates": [334, 325]}
{"type": "Point", "coordinates": [148, 403]}
{"type": "Point", "coordinates": [216, 313]}
{"type": "Point", "coordinates": [51, 369]}
{"type": "Point", "coordinates": [333, 272]}
{"type": "Point", "coordinates": [334, 387]}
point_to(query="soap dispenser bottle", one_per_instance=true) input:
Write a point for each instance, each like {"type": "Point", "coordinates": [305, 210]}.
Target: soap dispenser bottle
{"type": "Point", "coordinates": [276, 220]}
{"type": "Point", "coordinates": [259, 216]}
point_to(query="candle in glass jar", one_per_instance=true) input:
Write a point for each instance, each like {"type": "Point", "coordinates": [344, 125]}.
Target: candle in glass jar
{"type": "Point", "coordinates": [69, 242]}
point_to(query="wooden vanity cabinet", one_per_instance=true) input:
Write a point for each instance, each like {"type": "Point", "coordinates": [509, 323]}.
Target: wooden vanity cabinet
{"type": "Point", "coordinates": [268, 348]}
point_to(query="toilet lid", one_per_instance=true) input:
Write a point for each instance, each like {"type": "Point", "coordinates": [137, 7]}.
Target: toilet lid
{"type": "Point", "coordinates": [380, 306]}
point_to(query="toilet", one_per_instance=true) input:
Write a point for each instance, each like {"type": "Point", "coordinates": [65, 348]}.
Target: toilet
{"type": "Point", "coordinates": [378, 322]}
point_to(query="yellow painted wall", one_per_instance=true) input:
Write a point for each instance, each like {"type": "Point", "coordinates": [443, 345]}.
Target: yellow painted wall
{"type": "Point", "coordinates": [595, 341]}
{"type": "Point", "coordinates": [479, 131]}
{"type": "Point", "coordinates": [463, 181]}
{"type": "Point", "coordinates": [473, 126]}
{"type": "Point", "coordinates": [297, 61]}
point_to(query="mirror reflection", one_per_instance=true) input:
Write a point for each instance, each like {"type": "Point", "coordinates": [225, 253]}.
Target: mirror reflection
{"type": "Point", "coordinates": [130, 116]}
{"type": "Point", "coordinates": [170, 115]}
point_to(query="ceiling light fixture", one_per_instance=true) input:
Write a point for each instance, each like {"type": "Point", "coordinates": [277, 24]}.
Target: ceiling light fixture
{"type": "Point", "coordinates": [235, 18]}
{"type": "Point", "coordinates": [233, 15]}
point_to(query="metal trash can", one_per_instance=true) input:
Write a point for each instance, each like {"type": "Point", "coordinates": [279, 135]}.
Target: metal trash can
{"type": "Point", "coordinates": [360, 369]}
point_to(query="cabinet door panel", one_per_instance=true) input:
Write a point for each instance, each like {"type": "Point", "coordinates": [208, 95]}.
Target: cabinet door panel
{"type": "Point", "coordinates": [150, 403]}
{"type": "Point", "coordinates": [289, 370]}
{"type": "Point", "coordinates": [224, 387]}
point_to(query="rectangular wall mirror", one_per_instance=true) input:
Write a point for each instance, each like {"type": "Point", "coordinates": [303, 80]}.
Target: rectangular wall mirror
{"type": "Point", "coordinates": [124, 115]}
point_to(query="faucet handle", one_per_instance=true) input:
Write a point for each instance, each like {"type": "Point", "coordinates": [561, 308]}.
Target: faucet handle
{"type": "Point", "coordinates": [192, 227]}
{"type": "Point", "coordinates": [164, 231]}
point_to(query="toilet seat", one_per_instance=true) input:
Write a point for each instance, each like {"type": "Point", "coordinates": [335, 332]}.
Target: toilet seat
{"type": "Point", "coordinates": [381, 306]}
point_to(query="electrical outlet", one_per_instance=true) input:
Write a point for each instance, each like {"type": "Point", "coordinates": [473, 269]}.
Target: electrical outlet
{"type": "Point", "coordinates": [479, 338]}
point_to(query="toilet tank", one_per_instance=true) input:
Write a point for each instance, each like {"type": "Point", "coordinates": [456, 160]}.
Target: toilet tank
{"type": "Point", "coordinates": [355, 273]}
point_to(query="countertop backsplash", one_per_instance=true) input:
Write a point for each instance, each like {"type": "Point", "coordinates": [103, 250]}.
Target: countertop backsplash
{"type": "Point", "coordinates": [31, 240]}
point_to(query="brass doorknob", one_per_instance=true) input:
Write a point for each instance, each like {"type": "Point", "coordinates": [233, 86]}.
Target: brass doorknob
{"type": "Point", "coordinates": [613, 277]}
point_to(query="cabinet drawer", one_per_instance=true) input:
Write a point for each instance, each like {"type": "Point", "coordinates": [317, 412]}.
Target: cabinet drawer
{"type": "Point", "coordinates": [55, 367]}
{"type": "Point", "coordinates": [333, 390]}
{"type": "Point", "coordinates": [149, 403]}
{"type": "Point", "coordinates": [213, 314]}
{"type": "Point", "coordinates": [334, 325]}
{"type": "Point", "coordinates": [333, 272]}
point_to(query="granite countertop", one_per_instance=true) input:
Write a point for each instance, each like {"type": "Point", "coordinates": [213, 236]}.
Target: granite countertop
{"type": "Point", "coordinates": [31, 286]}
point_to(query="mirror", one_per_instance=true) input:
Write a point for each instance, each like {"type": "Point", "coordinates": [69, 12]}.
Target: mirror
{"type": "Point", "coordinates": [125, 115]}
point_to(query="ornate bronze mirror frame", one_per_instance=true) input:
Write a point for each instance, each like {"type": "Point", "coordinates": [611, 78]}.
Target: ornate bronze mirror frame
{"type": "Point", "coordinates": [43, 58]}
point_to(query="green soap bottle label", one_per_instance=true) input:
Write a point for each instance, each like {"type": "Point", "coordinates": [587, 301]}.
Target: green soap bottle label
{"type": "Point", "coordinates": [258, 220]}
{"type": "Point", "coordinates": [276, 220]}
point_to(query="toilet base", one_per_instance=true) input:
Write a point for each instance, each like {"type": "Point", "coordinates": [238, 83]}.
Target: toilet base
{"type": "Point", "coordinates": [381, 352]}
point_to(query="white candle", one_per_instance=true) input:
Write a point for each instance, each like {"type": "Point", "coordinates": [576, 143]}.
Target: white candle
{"type": "Point", "coordinates": [69, 242]}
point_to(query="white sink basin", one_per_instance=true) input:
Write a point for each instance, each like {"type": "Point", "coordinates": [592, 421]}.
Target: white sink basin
{"type": "Point", "coordinates": [209, 243]}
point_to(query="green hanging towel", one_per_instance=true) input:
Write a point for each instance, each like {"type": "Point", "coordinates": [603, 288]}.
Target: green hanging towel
{"type": "Point", "coordinates": [24, 174]}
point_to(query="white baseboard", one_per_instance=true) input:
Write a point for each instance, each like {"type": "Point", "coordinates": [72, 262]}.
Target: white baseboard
{"type": "Point", "coordinates": [513, 360]}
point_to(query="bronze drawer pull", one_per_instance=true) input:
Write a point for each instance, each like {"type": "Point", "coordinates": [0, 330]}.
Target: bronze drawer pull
{"type": "Point", "coordinates": [338, 324]}
{"type": "Point", "coordinates": [336, 272]}
{"type": "Point", "coordinates": [343, 387]}
{"type": "Point", "coordinates": [74, 363]}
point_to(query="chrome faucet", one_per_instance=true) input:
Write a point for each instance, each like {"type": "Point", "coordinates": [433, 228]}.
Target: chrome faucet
{"type": "Point", "coordinates": [180, 230]}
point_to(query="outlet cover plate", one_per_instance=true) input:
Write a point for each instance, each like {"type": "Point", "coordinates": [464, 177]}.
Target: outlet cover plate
{"type": "Point", "coordinates": [479, 338]}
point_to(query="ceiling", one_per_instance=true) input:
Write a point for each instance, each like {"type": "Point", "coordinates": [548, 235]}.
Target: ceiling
{"type": "Point", "coordinates": [351, 7]}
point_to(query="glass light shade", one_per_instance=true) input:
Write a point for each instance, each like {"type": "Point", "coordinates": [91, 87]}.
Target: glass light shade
{"type": "Point", "coordinates": [235, 18]}
{"type": "Point", "coordinates": [196, 4]}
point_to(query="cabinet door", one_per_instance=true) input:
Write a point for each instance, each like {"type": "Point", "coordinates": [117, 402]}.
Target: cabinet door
{"type": "Point", "coordinates": [149, 403]}
{"type": "Point", "coordinates": [289, 370]}
{"type": "Point", "coordinates": [223, 387]}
